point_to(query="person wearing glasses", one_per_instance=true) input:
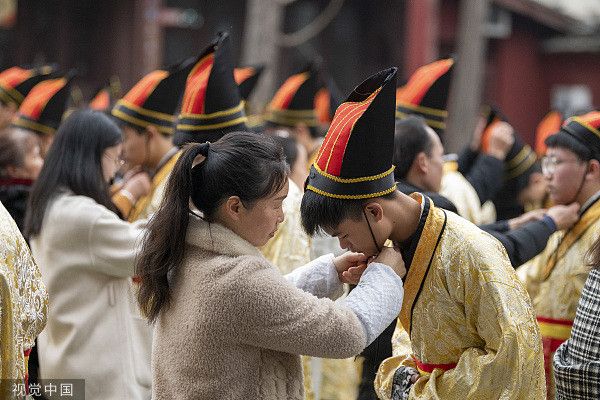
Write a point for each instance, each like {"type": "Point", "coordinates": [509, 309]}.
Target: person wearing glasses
{"type": "Point", "coordinates": [86, 256]}
{"type": "Point", "coordinates": [555, 278]}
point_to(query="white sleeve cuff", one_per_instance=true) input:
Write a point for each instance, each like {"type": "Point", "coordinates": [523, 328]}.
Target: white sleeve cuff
{"type": "Point", "coordinates": [319, 277]}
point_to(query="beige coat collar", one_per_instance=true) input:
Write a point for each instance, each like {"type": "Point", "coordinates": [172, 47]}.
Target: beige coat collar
{"type": "Point", "coordinates": [216, 238]}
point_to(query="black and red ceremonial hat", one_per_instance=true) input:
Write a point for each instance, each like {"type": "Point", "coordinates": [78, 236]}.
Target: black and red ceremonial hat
{"type": "Point", "coordinates": [426, 94]}
{"type": "Point", "coordinates": [154, 99]}
{"type": "Point", "coordinates": [548, 126]}
{"type": "Point", "coordinates": [211, 104]}
{"type": "Point", "coordinates": [106, 96]}
{"type": "Point", "coordinates": [520, 158]}
{"type": "Point", "coordinates": [294, 101]}
{"type": "Point", "coordinates": [17, 82]}
{"type": "Point", "coordinates": [586, 129]}
{"type": "Point", "coordinates": [246, 78]}
{"type": "Point", "coordinates": [43, 109]}
{"type": "Point", "coordinates": [355, 159]}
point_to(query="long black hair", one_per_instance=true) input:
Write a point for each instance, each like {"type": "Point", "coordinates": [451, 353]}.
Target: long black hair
{"type": "Point", "coordinates": [74, 162]}
{"type": "Point", "coordinates": [246, 165]}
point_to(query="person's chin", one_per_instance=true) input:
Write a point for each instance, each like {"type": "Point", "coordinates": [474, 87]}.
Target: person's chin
{"type": "Point", "coordinates": [556, 199]}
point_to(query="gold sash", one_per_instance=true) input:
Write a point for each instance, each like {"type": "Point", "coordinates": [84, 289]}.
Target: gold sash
{"type": "Point", "coordinates": [428, 242]}
{"type": "Point", "coordinates": [588, 218]}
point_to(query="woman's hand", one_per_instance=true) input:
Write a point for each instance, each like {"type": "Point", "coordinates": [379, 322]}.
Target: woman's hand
{"type": "Point", "coordinates": [350, 266]}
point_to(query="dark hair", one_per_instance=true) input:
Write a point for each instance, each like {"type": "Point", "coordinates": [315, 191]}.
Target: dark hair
{"type": "Point", "coordinates": [241, 164]}
{"type": "Point", "coordinates": [320, 212]}
{"type": "Point", "coordinates": [14, 145]}
{"type": "Point", "coordinates": [74, 162]}
{"type": "Point", "coordinates": [290, 148]}
{"type": "Point", "coordinates": [410, 139]}
{"type": "Point", "coordinates": [568, 142]}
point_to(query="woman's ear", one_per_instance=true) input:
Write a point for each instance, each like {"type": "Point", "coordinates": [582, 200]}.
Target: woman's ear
{"type": "Point", "coordinates": [233, 207]}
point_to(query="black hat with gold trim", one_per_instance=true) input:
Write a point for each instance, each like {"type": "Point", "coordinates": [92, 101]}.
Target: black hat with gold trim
{"type": "Point", "coordinates": [211, 104]}
{"type": "Point", "coordinates": [520, 158]}
{"type": "Point", "coordinates": [586, 130]}
{"type": "Point", "coordinates": [106, 96]}
{"type": "Point", "coordinates": [548, 126]}
{"type": "Point", "coordinates": [43, 109]}
{"type": "Point", "coordinates": [294, 101]}
{"type": "Point", "coordinates": [154, 99]}
{"type": "Point", "coordinates": [327, 100]}
{"type": "Point", "coordinates": [16, 82]}
{"type": "Point", "coordinates": [520, 162]}
{"type": "Point", "coordinates": [426, 94]}
{"type": "Point", "coordinates": [246, 78]}
{"type": "Point", "coordinates": [355, 159]}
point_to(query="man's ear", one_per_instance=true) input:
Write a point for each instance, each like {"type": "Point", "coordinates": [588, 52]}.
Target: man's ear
{"type": "Point", "coordinates": [301, 128]}
{"type": "Point", "coordinates": [233, 207]}
{"type": "Point", "coordinates": [375, 210]}
{"type": "Point", "coordinates": [593, 171]}
{"type": "Point", "coordinates": [421, 164]}
{"type": "Point", "coordinates": [151, 131]}
{"type": "Point", "coordinates": [536, 177]}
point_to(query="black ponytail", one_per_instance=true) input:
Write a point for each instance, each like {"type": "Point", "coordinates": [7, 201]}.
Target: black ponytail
{"type": "Point", "coordinates": [240, 164]}
{"type": "Point", "coordinates": [163, 245]}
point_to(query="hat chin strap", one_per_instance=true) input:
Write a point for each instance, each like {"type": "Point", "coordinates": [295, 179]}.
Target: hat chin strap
{"type": "Point", "coordinates": [371, 230]}
{"type": "Point", "coordinates": [580, 185]}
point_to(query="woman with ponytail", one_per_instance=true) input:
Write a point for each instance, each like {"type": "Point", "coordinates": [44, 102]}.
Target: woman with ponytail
{"type": "Point", "coordinates": [86, 256]}
{"type": "Point", "coordinates": [228, 325]}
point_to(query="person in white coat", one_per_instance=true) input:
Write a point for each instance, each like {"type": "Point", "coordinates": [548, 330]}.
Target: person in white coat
{"type": "Point", "coordinates": [86, 255]}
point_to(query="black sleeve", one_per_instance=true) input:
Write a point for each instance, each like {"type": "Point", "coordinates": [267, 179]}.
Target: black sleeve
{"type": "Point", "coordinates": [498, 226]}
{"type": "Point", "coordinates": [486, 176]}
{"type": "Point", "coordinates": [466, 159]}
{"type": "Point", "coordinates": [526, 242]}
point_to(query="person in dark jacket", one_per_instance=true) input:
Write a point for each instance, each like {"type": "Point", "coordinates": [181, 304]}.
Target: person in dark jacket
{"type": "Point", "coordinates": [20, 165]}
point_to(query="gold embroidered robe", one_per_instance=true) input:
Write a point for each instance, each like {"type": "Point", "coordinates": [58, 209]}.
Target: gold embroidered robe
{"type": "Point", "coordinates": [466, 322]}
{"type": "Point", "coordinates": [23, 304]}
{"type": "Point", "coordinates": [555, 279]}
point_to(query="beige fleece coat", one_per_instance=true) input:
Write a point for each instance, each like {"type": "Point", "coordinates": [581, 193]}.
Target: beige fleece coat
{"type": "Point", "coordinates": [86, 256]}
{"type": "Point", "coordinates": [236, 327]}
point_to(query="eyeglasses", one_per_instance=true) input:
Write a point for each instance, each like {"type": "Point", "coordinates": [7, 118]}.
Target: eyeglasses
{"type": "Point", "coordinates": [119, 162]}
{"type": "Point", "coordinates": [549, 164]}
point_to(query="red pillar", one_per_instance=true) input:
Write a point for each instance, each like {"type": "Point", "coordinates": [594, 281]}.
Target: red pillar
{"type": "Point", "coordinates": [422, 33]}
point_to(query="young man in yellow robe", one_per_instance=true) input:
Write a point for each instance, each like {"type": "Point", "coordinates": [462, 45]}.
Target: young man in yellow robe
{"type": "Point", "coordinates": [555, 278]}
{"type": "Point", "coordinates": [211, 107]}
{"type": "Point", "coordinates": [467, 328]}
